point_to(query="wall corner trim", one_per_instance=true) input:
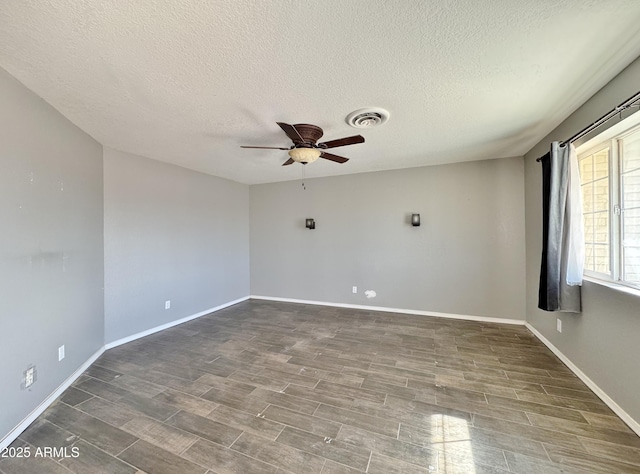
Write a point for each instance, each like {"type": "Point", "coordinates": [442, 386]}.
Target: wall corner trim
{"type": "Point", "coordinates": [633, 424]}
{"type": "Point", "coordinates": [519, 322]}
{"type": "Point", "coordinates": [15, 432]}
{"type": "Point", "coordinates": [170, 324]}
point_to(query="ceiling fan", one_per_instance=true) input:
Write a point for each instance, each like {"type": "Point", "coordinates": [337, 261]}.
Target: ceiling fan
{"type": "Point", "coordinates": [305, 149]}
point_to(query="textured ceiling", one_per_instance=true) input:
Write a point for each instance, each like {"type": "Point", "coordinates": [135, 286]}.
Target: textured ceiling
{"type": "Point", "coordinates": [188, 82]}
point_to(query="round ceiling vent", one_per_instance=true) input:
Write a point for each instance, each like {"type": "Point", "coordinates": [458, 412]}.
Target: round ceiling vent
{"type": "Point", "coordinates": [367, 118]}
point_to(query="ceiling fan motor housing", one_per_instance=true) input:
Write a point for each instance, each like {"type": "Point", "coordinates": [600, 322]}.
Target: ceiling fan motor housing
{"type": "Point", "coordinates": [310, 133]}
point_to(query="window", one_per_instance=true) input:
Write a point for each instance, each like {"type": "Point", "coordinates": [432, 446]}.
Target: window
{"type": "Point", "coordinates": [610, 180]}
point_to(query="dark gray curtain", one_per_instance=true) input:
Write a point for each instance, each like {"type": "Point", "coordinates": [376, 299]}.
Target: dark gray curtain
{"type": "Point", "coordinates": [554, 293]}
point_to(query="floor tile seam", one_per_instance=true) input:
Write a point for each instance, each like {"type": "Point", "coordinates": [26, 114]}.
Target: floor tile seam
{"type": "Point", "coordinates": [385, 391]}
{"type": "Point", "coordinates": [492, 389]}
{"type": "Point", "coordinates": [585, 425]}
{"type": "Point", "coordinates": [355, 413]}
{"type": "Point", "coordinates": [581, 438]}
{"type": "Point", "coordinates": [420, 372]}
{"type": "Point", "coordinates": [526, 437]}
{"type": "Point", "coordinates": [468, 407]}
{"type": "Point", "coordinates": [526, 414]}
{"type": "Point", "coordinates": [302, 429]}
{"type": "Point", "coordinates": [506, 461]}
{"type": "Point", "coordinates": [542, 384]}
{"type": "Point", "coordinates": [66, 429]}
{"type": "Point", "coordinates": [99, 380]}
{"type": "Point", "coordinates": [542, 405]}
{"type": "Point", "coordinates": [437, 453]}
{"type": "Point", "coordinates": [591, 453]}
{"type": "Point", "coordinates": [123, 450]}
{"type": "Point", "coordinates": [473, 392]}
{"type": "Point", "coordinates": [548, 458]}
{"type": "Point", "coordinates": [185, 449]}
{"type": "Point", "coordinates": [196, 463]}
{"type": "Point", "coordinates": [177, 428]}
{"type": "Point", "coordinates": [234, 441]}
{"type": "Point", "coordinates": [230, 447]}
{"type": "Point", "coordinates": [314, 454]}
{"type": "Point", "coordinates": [206, 440]}
{"type": "Point", "coordinates": [457, 460]}
{"type": "Point", "coordinates": [391, 438]}
{"type": "Point", "coordinates": [504, 386]}
{"type": "Point", "coordinates": [334, 438]}
{"type": "Point", "coordinates": [599, 458]}
{"type": "Point", "coordinates": [531, 424]}
{"type": "Point", "coordinates": [73, 472]}
{"type": "Point", "coordinates": [568, 400]}
{"type": "Point", "coordinates": [286, 374]}
{"type": "Point", "coordinates": [115, 456]}
{"type": "Point", "coordinates": [190, 394]}
{"type": "Point", "coordinates": [486, 400]}
{"type": "Point", "coordinates": [625, 428]}
{"type": "Point", "coordinates": [406, 383]}
{"type": "Point", "coordinates": [314, 411]}
{"type": "Point", "coordinates": [83, 391]}
{"type": "Point", "coordinates": [281, 430]}
{"type": "Point", "coordinates": [342, 464]}
{"type": "Point", "coordinates": [88, 414]}
{"type": "Point", "coordinates": [437, 449]}
{"type": "Point", "coordinates": [369, 461]}
{"type": "Point", "coordinates": [276, 404]}
{"type": "Point", "coordinates": [350, 389]}
{"type": "Point", "coordinates": [129, 392]}
{"type": "Point", "coordinates": [178, 410]}
{"type": "Point", "coordinates": [595, 399]}
{"type": "Point", "coordinates": [518, 369]}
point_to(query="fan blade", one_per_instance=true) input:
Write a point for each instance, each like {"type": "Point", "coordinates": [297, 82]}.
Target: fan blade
{"type": "Point", "coordinates": [342, 142]}
{"type": "Point", "coordinates": [332, 157]}
{"type": "Point", "coordinates": [288, 162]}
{"type": "Point", "coordinates": [265, 147]}
{"type": "Point", "coordinates": [291, 132]}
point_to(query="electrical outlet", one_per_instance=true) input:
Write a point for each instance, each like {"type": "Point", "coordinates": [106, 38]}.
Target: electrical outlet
{"type": "Point", "coordinates": [60, 352]}
{"type": "Point", "coordinates": [559, 325]}
{"type": "Point", "coordinates": [354, 289]}
{"type": "Point", "coordinates": [167, 304]}
{"type": "Point", "coordinates": [29, 377]}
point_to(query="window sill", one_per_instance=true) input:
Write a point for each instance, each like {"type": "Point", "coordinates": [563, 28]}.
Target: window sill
{"type": "Point", "coordinates": [613, 285]}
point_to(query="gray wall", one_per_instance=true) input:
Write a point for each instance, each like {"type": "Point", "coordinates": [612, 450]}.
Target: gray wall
{"type": "Point", "coordinates": [603, 341]}
{"type": "Point", "coordinates": [51, 260]}
{"type": "Point", "coordinates": [466, 258]}
{"type": "Point", "coordinates": [170, 234]}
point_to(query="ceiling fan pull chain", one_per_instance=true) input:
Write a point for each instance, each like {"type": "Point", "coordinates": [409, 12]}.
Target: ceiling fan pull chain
{"type": "Point", "coordinates": [303, 186]}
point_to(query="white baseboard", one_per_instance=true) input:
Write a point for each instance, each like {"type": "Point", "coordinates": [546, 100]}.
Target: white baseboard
{"type": "Point", "coordinates": [395, 310]}
{"type": "Point", "coordinates": [633, 424]}
{"type": "Point", "coordinates": [170, 324]}
{"type": "Point", "coordinates": [15, 432]}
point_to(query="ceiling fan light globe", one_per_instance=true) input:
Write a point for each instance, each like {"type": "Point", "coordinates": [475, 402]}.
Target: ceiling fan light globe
{"type": "Point", "coordinates": [304, 155]}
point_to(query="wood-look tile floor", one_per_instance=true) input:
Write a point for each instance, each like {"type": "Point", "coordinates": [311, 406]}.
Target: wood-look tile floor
{"type": "Point", "coordinates": [265, 387]}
